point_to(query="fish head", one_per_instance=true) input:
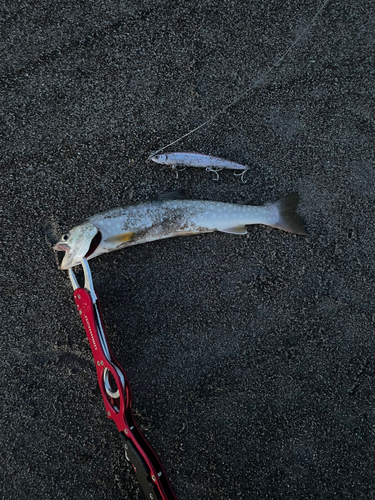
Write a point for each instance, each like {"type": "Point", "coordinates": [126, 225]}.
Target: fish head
{"type": "Point", "coordinates": [76, 244]}
{"type": "Point", "coordinates": [159, 158]}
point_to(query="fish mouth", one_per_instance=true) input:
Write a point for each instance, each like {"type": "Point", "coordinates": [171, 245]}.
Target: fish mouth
{"type": "Point", "coordinates": [69, 261]}
{"type": "Point", "coordinates": [61, 247]}
{"type": "Point", "coordinates": [73, 258]}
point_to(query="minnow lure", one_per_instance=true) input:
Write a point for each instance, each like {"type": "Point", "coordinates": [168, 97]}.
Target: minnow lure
{"type": "Point", "coordinates": [210, 163]}
{"type": "Point", "coordinates": [167, 216]}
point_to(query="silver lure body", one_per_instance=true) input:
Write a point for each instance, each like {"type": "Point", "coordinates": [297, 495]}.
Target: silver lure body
{"type": "Point", "coordinates": [197, 160]}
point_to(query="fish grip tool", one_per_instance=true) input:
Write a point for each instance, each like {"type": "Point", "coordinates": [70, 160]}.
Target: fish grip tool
{"type": "Point", "coordinates": [115, 388]}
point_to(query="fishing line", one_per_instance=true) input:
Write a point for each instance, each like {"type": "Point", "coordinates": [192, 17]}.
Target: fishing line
{"type": "Point", "coordinates": [252, 86]}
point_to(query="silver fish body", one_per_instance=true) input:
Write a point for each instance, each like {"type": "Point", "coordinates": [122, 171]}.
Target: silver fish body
{"type": "Point", "coordinates": [165, 218]}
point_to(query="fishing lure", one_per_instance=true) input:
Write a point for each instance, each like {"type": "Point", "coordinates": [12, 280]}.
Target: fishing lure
{"type": "Point", "coordinates": [210, 163]}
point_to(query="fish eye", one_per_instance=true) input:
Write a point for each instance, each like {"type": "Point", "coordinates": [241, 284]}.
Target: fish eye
{"type": "Point", "coordinates": [65, 237]}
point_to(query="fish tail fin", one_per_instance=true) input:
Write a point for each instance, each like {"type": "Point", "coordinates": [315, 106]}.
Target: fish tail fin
{"type": "Point", "coordinates": [289, 220]}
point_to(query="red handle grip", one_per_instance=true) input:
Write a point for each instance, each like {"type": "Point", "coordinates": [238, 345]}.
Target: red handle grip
{"type": "Point", "coordinates": [118, 402]}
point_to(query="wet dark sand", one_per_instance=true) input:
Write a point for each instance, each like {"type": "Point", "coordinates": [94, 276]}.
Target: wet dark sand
{"type": "Point", "coordinates": [251, 358]}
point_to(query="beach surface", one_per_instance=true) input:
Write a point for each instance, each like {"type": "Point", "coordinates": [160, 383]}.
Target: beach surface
{"type": "Point", "coordinates": [251, 358]}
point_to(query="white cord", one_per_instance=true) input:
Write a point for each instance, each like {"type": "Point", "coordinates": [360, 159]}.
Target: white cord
{"type": "Point", "coordinates": [252, 86]}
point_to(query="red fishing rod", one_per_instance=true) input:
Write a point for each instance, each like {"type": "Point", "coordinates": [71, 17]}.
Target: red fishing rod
{"type": "Point", "coordinates": [115, 388]}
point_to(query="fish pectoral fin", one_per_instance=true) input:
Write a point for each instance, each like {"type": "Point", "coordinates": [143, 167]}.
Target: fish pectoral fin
{"type": "Point", "coordinates": [120, 238]}
{"type": "Point", "coordinates": [234, 230]}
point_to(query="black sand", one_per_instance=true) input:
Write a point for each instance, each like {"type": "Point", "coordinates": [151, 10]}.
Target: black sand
{"type": "Point", "coordinates": [251, 358]}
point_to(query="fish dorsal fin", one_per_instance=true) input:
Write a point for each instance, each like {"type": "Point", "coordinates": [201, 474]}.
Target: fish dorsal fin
{"type": "Point", "coordinates": [173, 195]}
{"type": "Point", "coordinates": [234, 230]}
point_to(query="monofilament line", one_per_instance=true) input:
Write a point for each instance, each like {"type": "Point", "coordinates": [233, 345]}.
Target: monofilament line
{"type": "Point", "coordinates": [252, 86]}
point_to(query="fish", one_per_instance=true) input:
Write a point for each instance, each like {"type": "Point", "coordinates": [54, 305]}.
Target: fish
{"type": "Point", "coordinates": [171, 215]}
{"type": "Point", "coordinates": [210, 163]}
